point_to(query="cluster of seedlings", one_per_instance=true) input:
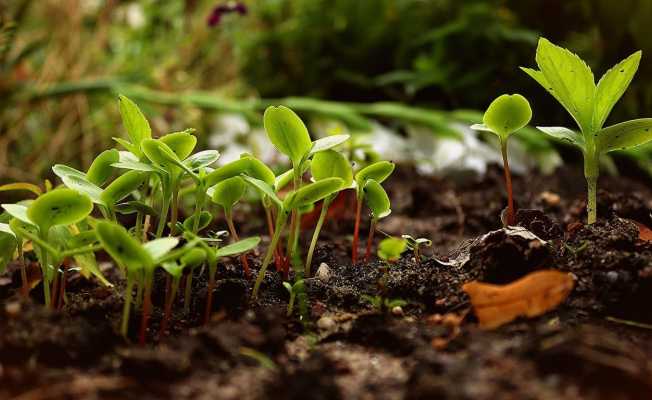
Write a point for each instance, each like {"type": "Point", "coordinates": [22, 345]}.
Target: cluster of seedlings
{"type": "Point", "coordinates": [151, 177]}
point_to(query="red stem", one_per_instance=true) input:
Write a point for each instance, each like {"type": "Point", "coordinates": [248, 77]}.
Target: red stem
{"type": "Point", "coordinates": [209, 299]}
{"type": "Point", "coordinates": [508, 183]}
{"type": "Point", "coordinates": [23, 276]}
{"type": "Point", "coordinates": [356, 232]}
{"type": "Point", "coordinates": [168, 311]}
{"type": "Point", "coordinates": [234, 234]}
{"type": "Point", "coordinates": [270, 228]}
{"type": "Point", "coordinates": [370, 240]}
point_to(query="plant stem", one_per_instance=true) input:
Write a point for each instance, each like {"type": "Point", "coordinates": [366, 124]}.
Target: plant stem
{"type": "Point", "coordinates": [175, 211]}
{"type": "Point", "coordinates": [591, 208]}
{"type": "Point", "coordinates": [200, 197]}
{"type": "Point", "coordinates": [591, 173]}
{"type": "Point", "coordinates": [212, 269]}
{"type": "Point", "coordinates": [280, 224]}
{"type": "Point", "coordinates": [126, 308]}
{"type": "Point", "coordinates": [163, 218]}
{"type": "Point", "coordinates": [147, 307]}
{"type": "Point", "coordinates": [139, 223]}
{"type": "Point", "coordinates": [270, 227]}
{"type": "Point", "coordinates": [356, 231]}
{"type": "Point", "coordinates": [139, 292]}
{"type": "Point", "coordinates": [187, 293]}
{"type": "Point", "coordinates": [168, 306]}
{"type": "Point", "coordinates": [315, 235]}
{"type": "Point", "coordinates": [511, 212]}
{"type": "Point", "coordinates": [291, 303]}
{"type": "Point", "coordinates": [55, 290]}
{"type": "Point", "coordinates": [62, 287]}
{"type": "Point", "coordinates": [23, 269]}
{"type": "Point", "coordinates": [234, 234]}
{"type": "Point", "coordinates": [370, 239]}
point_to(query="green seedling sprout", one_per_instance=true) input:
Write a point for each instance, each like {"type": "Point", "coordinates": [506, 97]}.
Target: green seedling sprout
{"type": "Point", "coordinates": [213, 256]}
{"type": "Point", "coordinates": [293, 290]}
{"type": "Point", "coordinates": [8, 245]}
{"type": "Point", "coordinates": [389, 250]}
{"type": "Point", "coordinates": [192, 259]}
{"type": "Point", "coordinates": [378, 171]}
{"type": "Point", "coordinates": [135, 123]}
{"type": "Point", "coordinates": [327, 164]}
{"type": "Point", "coordinates": [308, 194]}
{"type": "Point", "coordinates": [378, 202]}
{"type": "Point", "coordinates": [289, 135]}
{"type": "Point", "coordinates": [226, 194]}
{"type": "Point", "coordinates": [139, 262]}
{"type": "Point", "coordinates": [55, 208]}
{"type": "Point", "coordinates": [571, 82]}
{"type": "Point", "coordinates": [504, 116]}
{"type": "Point", "coordinates": [415, 245]}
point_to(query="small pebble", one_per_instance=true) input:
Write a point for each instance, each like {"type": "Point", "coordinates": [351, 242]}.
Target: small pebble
{"type": "Point", "coordinates": [326, 323]}
{"type": "Point", "coordinates": [550, 198]}
{"type": "Point", "coordinates": [12, 309]}
{"type": "Point", "coordinates": [324, 273]}
{"type": "Point", "coordinates": [398, 311]}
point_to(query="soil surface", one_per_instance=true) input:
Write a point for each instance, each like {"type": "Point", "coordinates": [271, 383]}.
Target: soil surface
{"type": "Point", "coordinates": [335, 345]}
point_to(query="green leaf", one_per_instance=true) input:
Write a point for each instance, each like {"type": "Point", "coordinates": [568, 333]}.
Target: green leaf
{"type": "Point", "coordinates": [331, 164]}
{"type": "Point", "coordinates": [157, 248]}
{"type": "Point", "coordinates": [287, 133]}
{"type": "Point", "coordinates": [136, 166]}
{"type": "Point", "coordinates": [59, 207]}
{"type": "Point", "coordinates": [624, 135]}
{"type": "Point", "coordinates": [82, 185]}
{"type": "Point", "coordinates": [181, 143]}
{"type": "Point", "coordinates": [611, 87]}
{"type": "Point", "coordinates": [228, 192]}
{"type": "Point", "coordinates": [328, 142]}
{"type": "Point", "coordinates": [160, 153]}
{"type": "Point", "coordinates": [564, 134]}
{"type": "Point", "coordinates": [259, 170]}
{"type": "Point", "coordinates": [376, 199]}
{"type": "Point", "coordinates": [100, 170]}
{"type": "Point", "coordinates": [568, 78]}
{"type": "Point", "coordinates": [311, 193]}
{"type": "Point", "coordinates": [123, 186]}
{"type": "Point", "coordinates": [193, 258]}
{"type": "Point", "coordinates": [30, 187]}
{"type": "Point", "coordinates": [263, 188]}
{"type": "Point", "coordinates": [134, 206]}
{"type": "Point", "coordinates": [8, 244]}
{"type": "Point", "coordinates": [229, 170]}
{"type": "Point", "coordinates": [378, 171]}
{"type": "Point", "coordinates": [62, 171]}
{"type": "Point", "coordinates": [123, 248]}
{"type": "Point", "coordinates": [507, 114]}
{"type": "Point", "coordinates": [19, 212]}
{"type": "Point", "coordinates": [205, 218]}
{"type": "Point", "coordinates": [132, 148]}
{"type": "Point", "coordinates": [134, 122]}
{"type": "Point", "coordinates": [202, 159]}
{"type": "Point", "coordinates": [173, 268]}
{"type": "Point", "coordinates": [241, 246]}
{"type": "Point", "coordinates": [391, 248]}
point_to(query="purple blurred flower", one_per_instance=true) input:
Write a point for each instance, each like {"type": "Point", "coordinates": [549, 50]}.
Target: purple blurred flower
{"type": "Point", "coordinates": [231, 7]}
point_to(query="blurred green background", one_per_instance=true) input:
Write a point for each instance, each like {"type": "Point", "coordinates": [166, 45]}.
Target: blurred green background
{"type": "Point", "coordinates": [359, 62]}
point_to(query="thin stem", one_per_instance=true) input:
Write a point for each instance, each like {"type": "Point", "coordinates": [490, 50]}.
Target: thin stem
{"type": "Point", "coordinates": [370, 239]}
{"type": "Point", "coordinates": [62, 288]}
{"type": "Point", "coordinates": [187, 293]}
{"type": "Point", "coordinates": [163, 217]}
{"type": "Point", "coordinates": [175, 211]}
{"type": "Point", "coordinates": [23, 269]}
{"type": "Point", "coordinates": [139, 291]}
{"type": "Point", "coordinates": [291, 303]}
{"type": "Point", "coordinates": [81, 250]}
{"type": "Point", "coordinates": [280, 224]}
{"type": "Point", "coordinates": [200, 195]}
{"type": "Point", "coordinates": [356, 231]}
{"type": "Point", "coordinates": [55, 290]}
{"type": "Point", "coordinates": [270, 228]}
{"type": "Point", "coordinates": [315, 235]}
{"type": "Point", "coordinates": [234, 234]}
{"type": "Point", "coordinates": [591, 208]}
{"type": "Point", "coordinates": [212, 269]}
{"type": "Point", "coordinates": [168, 305]}
{"type": "Point", "coordinates": [511, 212]}
{"type": "Point", "coordinates": [139, 223]}
{"type": "Point", "coordinates": [126, 308]}
{"type": "Point", "coordinates": [147, 307]}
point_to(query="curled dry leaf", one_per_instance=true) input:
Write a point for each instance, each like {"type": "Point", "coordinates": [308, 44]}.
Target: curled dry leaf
{"type": "Point", "coordinates": [644, 233]}
{"type": "Point", "coordinates": [530, 296]}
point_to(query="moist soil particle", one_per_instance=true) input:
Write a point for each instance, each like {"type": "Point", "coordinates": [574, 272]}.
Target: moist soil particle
{"type": "Point", "coordinates": [596, 345]}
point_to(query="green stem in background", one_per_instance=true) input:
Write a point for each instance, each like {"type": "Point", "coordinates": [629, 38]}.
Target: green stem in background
{"type": "Point", "coordinates": [356, 231]}
{"type": "Point", "coordinates": [139, 223]}
{"type": "Point", "coordinates": [168, 305]}
{"type": "Point", "coordinates": [281, 219]}
{"type": "Point", "coordinates": [187, 293]}
{"type": "Point", "coordinates": [591, 173]}
{"type": "Point", "coordinates": [23, 268]}
{"type": "Point", "coordinates": [163, 217]}
{"type": "Point", "coordinates": [234, 234]}
{"type": "Point", "coordinates": [591, 208]}
{"type": "Point", "coordinates": [511, 212]}
{"type": "Point", "coordinates": [175, 210]}
{"type": "Point", "coordinates": [147, 306]}
{"type": "Point", "coordinates": [270, 226]}
{"type": "Point", "coordinates": [212, 270]}
{"type": "Point", "coordinates": [315, 235]}
{"type": "Point", "coordinates": [370, 239]}
{"type": "Point", "coordinates": [200, 198]}
{"type": "Point", "coordinates": [126, 308]}
{"type": "Point", "coordinates": [139, 291]}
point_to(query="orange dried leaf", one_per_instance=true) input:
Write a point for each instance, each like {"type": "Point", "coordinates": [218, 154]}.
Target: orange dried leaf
{"type": "Point", "coordinates": [644, 233]}
{"type": "Point", "coordinates": [530, 296]}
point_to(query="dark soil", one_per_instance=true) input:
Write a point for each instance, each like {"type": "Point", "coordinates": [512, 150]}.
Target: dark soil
{"type": "Point", "coordinates": [596, 345]}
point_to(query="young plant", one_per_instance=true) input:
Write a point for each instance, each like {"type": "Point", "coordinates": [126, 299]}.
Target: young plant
{"type": "Point", "coordinates": [327, 164]}
{"type": "Point", "coordinates": [293, 290]}
{"type": "Point", "coordinates": [389, 250]}
{"type": "Point", "coordinates": [226, 194]}
{"type": "Point", "coordinates": [378, 202]}
{"type": "Point", "coordinates": [305, 196]}
{"type": "Point", "coordinates": [504, 116]}
{"type": "Point", "coordinates": [415, 245]}
{"type": "Point", "coordinates": [289, 135]}
{"type": "Point", "coordinates": [378, 171]}
{"type": "Point", "coordinates": [570, 81]}
{"type": "Point", "coordinates": [139, 262]}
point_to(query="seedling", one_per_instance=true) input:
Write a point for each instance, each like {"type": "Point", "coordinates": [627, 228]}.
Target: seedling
{"type": "Point", "coordinates": [293, 290]}
{"type": "Point", "coordinates": [327, 164]}
{"type": "Point", "coordinates": [569, 80]}
{"type": "Point", "coordinates": [378, 202]}
{"type": "Point", "coordinates": [378, 171]}
{"type": "Point", "coordinates": [389, 250]}
{"type": "Point", "coordinates": [296, 199]}
{"type": "Point", "coordinates": [226, 194]}
{"type": "Point", "coordinates": [505, 116]}
{"type": "Point", "coordinates": [415, 245]}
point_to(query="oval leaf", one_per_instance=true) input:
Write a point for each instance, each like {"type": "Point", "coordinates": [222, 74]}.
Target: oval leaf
{"type": "Point", "coordinates": [134, 122]}
{"type": "Point", "coordinates": [507, 114]}
{"type": "Point", "coordinates": [238, 247]}
{"type": "Point", "coordinates": [122, 186]}
{"type": "Point", "coordinates": [287, 132]}
{"type": "Point", "coordinates": [391, 248]}
{"type": "Point", "coordinates": [564, 135]}
{"type": "Point", "coordinates": [331, 164]}
{"type": "Point", "coordinates": [376, 199]}
{"type": "Point", "coordinates": [123, 248]}
{"type": "Point", "coordinates": [19, 212]}
{"type": "Point", "coordinates": [100, 170]}
{"type": "Point", "coordinates": [624, 135]}
{"type": "Point", "coordinates": [202, 159]}
{"type": "Point", "coordinates": [378, 171]}
{"type": "Point", "coordinates": [228, 192]}
{"type": "Point", "coordinates": [328, 142]}
{"type": "Point", "coordinates": [312, 193]}
{"type": "Point", "coordinates": [181, 143]}
{"type": "Point", "coordinates": [157, 248]}
{"type": "Point", "coordinates": [205, 218]}
{"type": "Point", "coordinates": [59, 207]}
{"type": "Point", "coordinates": [263, 188]}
